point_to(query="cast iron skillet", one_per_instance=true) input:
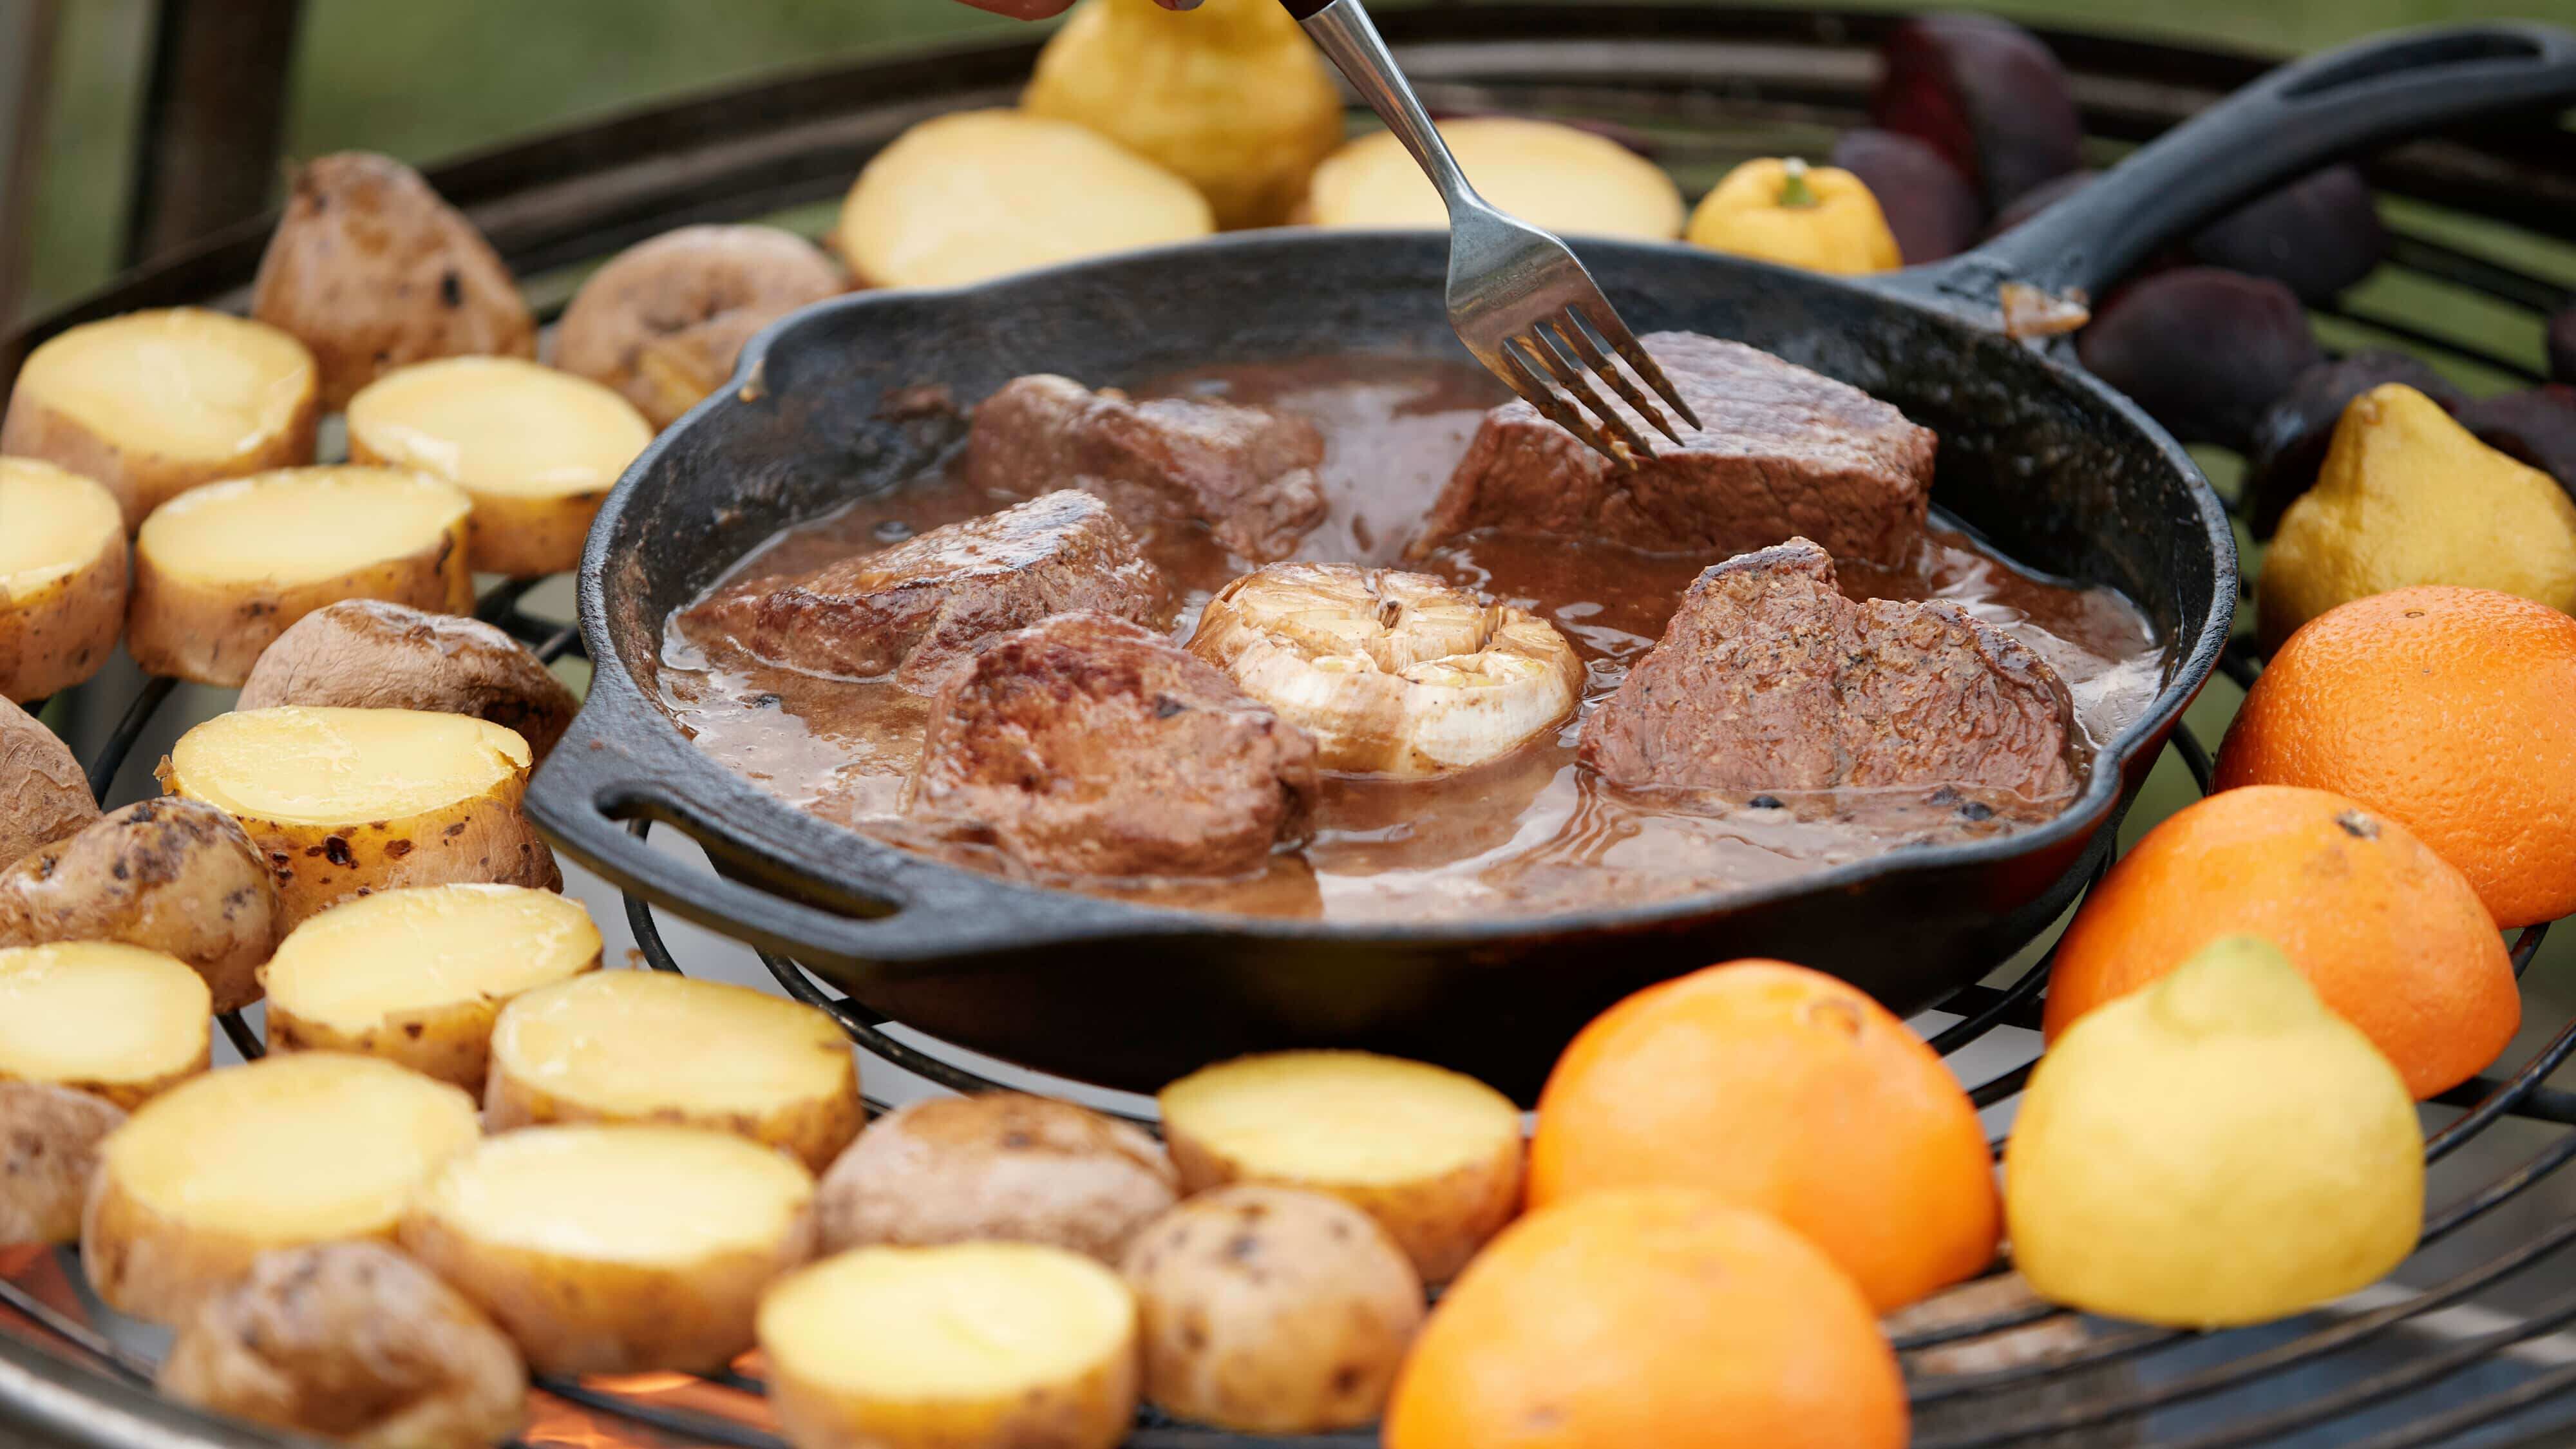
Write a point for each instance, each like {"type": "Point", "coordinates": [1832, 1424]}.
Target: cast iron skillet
{"type": "Point", "coordinates": [2058, 470]}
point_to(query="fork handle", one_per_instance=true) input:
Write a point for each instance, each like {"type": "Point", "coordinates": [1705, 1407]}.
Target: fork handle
{"type": "Point", "coordinates": [1342, 30]}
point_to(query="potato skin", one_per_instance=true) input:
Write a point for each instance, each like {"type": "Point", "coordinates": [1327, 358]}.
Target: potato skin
{"type": "Point", "coordinates": [525, 538]}
{"type": "Point", "coordinates": [214, 633]}
{"type": "Point", "coordinates": [62, 636]}
{"type": "Point", "coordinates": [172, 875]}
{"type": "Point", "coordinates": [485, 838]}
{"type": "Point", "coordinates": [44, 793]}
{"type": "Point", "coordinates": [371, 269]}
{"type": "Point", "coordinates": [352, 1342]}
{"type": "Point", "coordinates": [49, 1140]}
{"type": "Point", "coordinates": [148, 1265]}
{"type": "Point", "coordinates": [577, 1316]}
{"type": "Point", "coordinates": [1440, 1223]}
{"type": "Point", "coordinates": [144, 481]}
{"type": "Point", "coordinates": [664, 321]}
{"type": "Point", "coordinates": [373, 654]}
{"type": "Point", "coordinates": [811, 1131]}
{"type": "Point", "coordinates": [1272, 1311]}
{"type": "Point", "coordinates": [452, 1043]}
{"type": "Point", "coordinates": [997, 1165]}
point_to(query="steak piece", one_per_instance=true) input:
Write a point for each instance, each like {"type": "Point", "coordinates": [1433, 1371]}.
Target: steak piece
{"type": "Point", "coordinates": [1087, 746]}
{"type": "Point", "coordinates": [1247, 473]}
{"type": "Point", "coordinates": [912, 610]}
{"type": "Point", "coordinates": [1784, 453]}
{"type": "Point", "coordinates": [1767, 678]}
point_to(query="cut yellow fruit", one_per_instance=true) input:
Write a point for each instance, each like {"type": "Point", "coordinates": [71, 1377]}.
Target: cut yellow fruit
{"type": "Point", "coordinates": [969, 1344]}
{"type": "Point", "coordinates": [648, 1046]}
{"type": "Point", "coordinates": [1434, 1156]}
{"type": "Point", "coordinates": [618, 1249]}
{"type": "Point", "coordinates": [221, 571]}
{"type": "Point", "coordinates": [119, 1021]}
{"type": "Point", "coordinates": [536, 449]}
{"type": "Point", "coordinates": [347, 802]}
{"type": "Point", "coordinates": [980, 194]}
{"type": "Point", "coordinates": [312, 1148]}
{"type": "Point", "coordinates": [419, 976]}
{"type": "Point", "coordinates": [63, 578]}
{"type": "Point", "coordinates": [154, 403]}
{"type": "Point", "coordinates": [1557, 177]}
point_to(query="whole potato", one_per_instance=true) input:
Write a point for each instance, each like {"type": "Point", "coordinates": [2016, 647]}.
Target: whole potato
{"type": "Point", "coordinates": [354, 1342]}
{"type": "Point", "coordinates": [1000, 1165]}
{"type": "Point", "coordinates": [1272, 1311]}
{"type": "Point", "coordinates": [49, 1138]}
{"type": "Point", "coordinates": [171, 875]}
{"type": "Point", "coordinates": [44, 795]}
{"type": "Point", "coordinates": [664, 320]}
{"type": "Point", "coordinates": [371, 269]}
{"type": "Point", "coordinates": [370, 654]}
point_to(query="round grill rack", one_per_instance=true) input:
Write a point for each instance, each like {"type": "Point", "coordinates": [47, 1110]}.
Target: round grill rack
{"type": "Point", "coordinates": [2468, 1352]}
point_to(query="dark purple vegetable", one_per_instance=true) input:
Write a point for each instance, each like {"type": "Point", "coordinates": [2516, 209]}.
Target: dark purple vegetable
{"type": "Point", "coordinates": [1929, 205]}
{"type": "Point", "coordinates": [1987, 95]}
{"type": "Point", "coordinates": [2040, 198]}
{"type": "Point", "coordinates": [2291, 439]}
{"type": "Point", "coordinates": [2204, 351]}
{"type": "Point", "coordinates": [2562, 346]}
{"type": "Point", "coordinates": [2319, 235]}
{"type": "Point", "coordinates": [2538, 426]}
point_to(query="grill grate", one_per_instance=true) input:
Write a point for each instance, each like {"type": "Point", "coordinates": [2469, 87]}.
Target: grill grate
{"type": "Point", "coordinates": [1987, 1364]}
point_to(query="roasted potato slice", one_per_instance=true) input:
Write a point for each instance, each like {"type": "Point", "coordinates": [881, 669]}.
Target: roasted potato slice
{"type": "Point", "coordinates": [535, 449]}
{"type": "Point", "coordinates": [619, 1249]}
{"type": "Point", "coordinates": [1566, 180]}
{"type": "Point", "coordinates": [178, 876]}
{"type": "Point", "coordinates": [664, 321]}
{"type": "Point", "coordinates": [119, 1022]}
{"type": "Point", "coordinates": [221, 571]}
{"type": "Point", "coordinates": [1434, 1156]}
{"type": "Point", "coordinates": [970, 1346]}
{"type": "Point", "coordinates": [977, 194]}
{"type": "Point", "coordinates": [373, 271]}
{"type": "Point", "coordinates": [49, 1139]}
{"type": "Point", "coordinates": [318, 1147]}
{"type": "Point", "coordinates": [999, 1165]}
{"type": "Point", "coordinates": [151, 404]}
{"type": "Point", "coordinates": [1271, 1311]}
{"type": "Point", "coordinates": [353, 1342]}
{"type": "Point", "coordinates": [368, 654]}
{"type": "Point", "coordinates": [348, 802]}
{"type": "Point", "coordinates": [63, 574]}
{"type": "Point", "coordinates": [44, 794]}
{"type": "Point", "coordinates": [647, 1046]}
{"type": "Point", "coordinates": [419, 976]}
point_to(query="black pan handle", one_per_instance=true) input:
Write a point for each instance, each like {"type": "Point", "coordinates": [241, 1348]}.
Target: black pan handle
{"type": "Point", "coordinates": [2283, 126]}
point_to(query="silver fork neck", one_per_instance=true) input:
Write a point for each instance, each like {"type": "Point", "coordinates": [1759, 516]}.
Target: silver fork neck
{"type": "Point", "coordinates": [1344, 32]}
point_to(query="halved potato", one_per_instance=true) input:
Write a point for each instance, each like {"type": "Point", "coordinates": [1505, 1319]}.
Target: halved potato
{"type": "Point", "coordinates": [349, 802]}
{"type": "Point", "coordinates": [1434, 1156]}
{"type": "Point", "coordinates": [221, 571]}
{"type": "Point", "coordinates": [119, 1022]}
{"type": "Point", "coordinates": [63, 574]}
{"type": "Point", "coordinates": [368, 654]}
{"type": "Point", "coordinates": [1566, 180]}
{"type": "Point", "coordinates": [170, 875]}
{"type": "Point", "coordinates": [151, 404]}
{"type": "Point", "coordinates": [977, 194]}
{"type": "Point", "coordinates": [665, 320]}
{"type": "Point", "coordinates": [418, 976]}
{"type": "Point", "coordinates": [648, 1046]}
{"type": "Point", "coordinates": [535, 449]}
{"type": "Point", "coordinates": [49, 1139]}
{"type": "Point", "coordinates": [625, 1249]}
{"type": "Point", "coordinates": [44, 794]}
{"type": "Point", "coordinates": [969, 1346]}
{"type": "Point", "coordinates": [318, 1147]}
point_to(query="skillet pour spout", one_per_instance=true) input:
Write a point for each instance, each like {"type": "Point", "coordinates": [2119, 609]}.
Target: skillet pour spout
{"type": "Point", "coordinates": [2043, 460]}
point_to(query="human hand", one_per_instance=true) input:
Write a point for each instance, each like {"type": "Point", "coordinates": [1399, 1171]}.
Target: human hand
{"type": "Point", "coordinates": [1041, 9]}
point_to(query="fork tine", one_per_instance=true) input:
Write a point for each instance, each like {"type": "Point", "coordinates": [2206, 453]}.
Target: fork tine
{"type": "Point", "coordinates": [1538, 394]}
{"type": "Point", "coordinates": [1569, 375]}
{"type": "Point", "coordinates": [1596, 310]}
{"type": "Point", "coordinates": [1571, 334]}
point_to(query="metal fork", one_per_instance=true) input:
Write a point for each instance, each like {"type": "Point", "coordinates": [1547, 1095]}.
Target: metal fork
{"type": "Point", "coordinates": [1517, 296]}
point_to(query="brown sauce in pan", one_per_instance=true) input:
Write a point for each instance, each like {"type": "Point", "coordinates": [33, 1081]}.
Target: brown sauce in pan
{"type": "Point", "coordinates": [1525, 834]}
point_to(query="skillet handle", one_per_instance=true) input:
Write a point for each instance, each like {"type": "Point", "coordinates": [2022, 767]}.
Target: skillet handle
{"type": "Point", "coordinates": [2283, 126]}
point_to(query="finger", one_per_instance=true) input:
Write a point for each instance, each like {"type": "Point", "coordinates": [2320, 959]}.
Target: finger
{"type": "Point", "coordinates": [1178, 4]}
{"type": "Point", "coordinates": [1024, 9]}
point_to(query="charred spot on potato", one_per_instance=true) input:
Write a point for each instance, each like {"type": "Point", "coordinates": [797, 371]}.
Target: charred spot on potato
{"type": "Point", "coordinates": [396, 850]}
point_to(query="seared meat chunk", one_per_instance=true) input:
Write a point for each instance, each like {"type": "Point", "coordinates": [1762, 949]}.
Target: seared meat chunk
{"type": "Point", "coordinates": [1768, 678]}
{"type": "Point", "coordinates": [1087, 746]}
{"type": "Point", "coordinates": [1247, 473]}
{"type": "Point", "coordinates": [914, 609]}
{"type": "Point", "coordinates": [1784, 452]}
